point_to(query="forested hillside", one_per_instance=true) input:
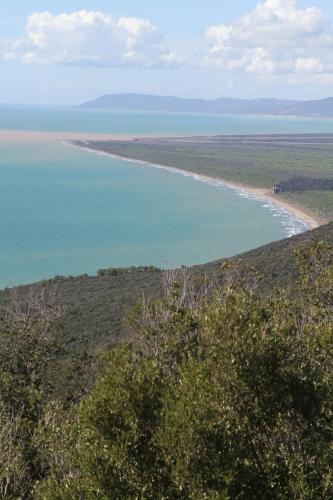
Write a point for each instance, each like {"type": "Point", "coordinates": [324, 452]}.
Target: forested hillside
{"type": "Point", "coordinates": [221, 388]}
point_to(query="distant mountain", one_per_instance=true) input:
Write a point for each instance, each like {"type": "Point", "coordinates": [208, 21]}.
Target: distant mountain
{"type": "Point", "coordinates": [140, 102]}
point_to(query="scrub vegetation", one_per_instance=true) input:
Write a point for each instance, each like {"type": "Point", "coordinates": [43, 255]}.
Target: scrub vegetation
{"type": "Point", "coordinates": [221, 386]}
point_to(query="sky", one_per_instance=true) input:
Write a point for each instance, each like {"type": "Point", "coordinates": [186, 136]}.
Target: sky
{"type": "Point", "coordinates": [67, 52]}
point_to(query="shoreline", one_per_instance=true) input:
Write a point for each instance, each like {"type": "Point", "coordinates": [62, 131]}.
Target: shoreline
{"type": "Point", "coordinates": [304, 215]}
{"type": "Point", "coordinates": [47, 136]}
{"type": "Point", "coordinates": [310, 220]}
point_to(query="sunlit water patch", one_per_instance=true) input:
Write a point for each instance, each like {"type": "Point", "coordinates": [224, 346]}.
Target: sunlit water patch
{"type": "Point", "coordinates": [66, 212]}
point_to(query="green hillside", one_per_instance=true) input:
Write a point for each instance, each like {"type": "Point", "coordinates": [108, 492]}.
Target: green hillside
{"type": "Point", "coordinates": [219, 388]}
{"type": "Point", "coordinates": [95, 308]}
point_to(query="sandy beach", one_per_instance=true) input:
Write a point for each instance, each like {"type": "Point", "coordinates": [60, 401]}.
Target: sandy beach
{"type": "Point", "coordinates": [301, 213]}
{"type": "Point", "coordinates": [14, 136]}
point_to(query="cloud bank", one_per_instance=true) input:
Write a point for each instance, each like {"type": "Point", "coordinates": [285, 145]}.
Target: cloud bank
{"type": "Point", "coordinates": [91, 38]}
{"type": "Point", "coordinates": [275, 39]}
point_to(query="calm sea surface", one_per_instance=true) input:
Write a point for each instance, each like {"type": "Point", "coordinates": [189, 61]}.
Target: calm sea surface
{"type": "Point", "coordinates": [121, 122]}
{"type": "Point", "coordinates": [66, 211]}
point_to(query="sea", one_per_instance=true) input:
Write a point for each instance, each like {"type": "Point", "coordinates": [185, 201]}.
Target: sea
{"type": "Point", "coordinates": [66, 211]}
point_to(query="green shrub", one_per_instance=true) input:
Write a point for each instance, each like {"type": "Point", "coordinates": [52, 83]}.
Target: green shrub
{"type": "Point", "coordinates": [220, 395]}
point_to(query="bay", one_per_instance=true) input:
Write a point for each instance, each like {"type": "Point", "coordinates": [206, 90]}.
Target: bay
{"type": "Point", "coordinates": [65, 211]}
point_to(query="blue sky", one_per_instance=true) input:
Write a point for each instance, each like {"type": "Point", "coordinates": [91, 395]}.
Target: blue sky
{"type": "Point", "coordinates": [71, 51]}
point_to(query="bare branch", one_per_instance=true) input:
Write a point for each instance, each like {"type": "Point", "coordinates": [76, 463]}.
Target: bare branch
{"type": "Point", "coordinates": [33, 307]}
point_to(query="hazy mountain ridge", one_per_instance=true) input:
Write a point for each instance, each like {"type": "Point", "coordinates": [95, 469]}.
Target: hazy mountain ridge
{"type": "Point", "coordinates": [141, 102]}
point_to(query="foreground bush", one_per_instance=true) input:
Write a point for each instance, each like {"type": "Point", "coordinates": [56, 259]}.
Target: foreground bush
{"type": "Point", "coordinates": [220, 395]}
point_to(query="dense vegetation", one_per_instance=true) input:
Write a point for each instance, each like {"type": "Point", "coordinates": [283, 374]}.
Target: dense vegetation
{"type": "Point", "coordinates": [259, 161]}
{"type": "Point", "coordinates": [222, 390]}
{"type": "Point", "coordinates": [301, 184]}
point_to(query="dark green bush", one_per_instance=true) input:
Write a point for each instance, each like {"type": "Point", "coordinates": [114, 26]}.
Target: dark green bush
{"type": "Point", "coordinates": [220, 395]}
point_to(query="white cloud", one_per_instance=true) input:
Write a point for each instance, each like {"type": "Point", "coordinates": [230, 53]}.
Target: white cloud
{"type": "Point", "coordinates": [91, 38]}
{"type": "Point", "coordinates": [276, 38]}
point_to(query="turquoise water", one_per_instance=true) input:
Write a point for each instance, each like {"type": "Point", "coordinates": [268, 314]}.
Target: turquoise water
{"type": "Point", "coordinates": [122, 122]}
{"type": "Point", "coordinates": [67, 211]}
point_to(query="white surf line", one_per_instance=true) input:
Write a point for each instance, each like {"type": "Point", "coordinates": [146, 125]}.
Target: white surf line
{"type": "Point", "coordinates": [292, 226]}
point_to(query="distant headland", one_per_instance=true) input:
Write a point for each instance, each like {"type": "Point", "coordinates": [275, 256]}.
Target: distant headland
{"type": "Point", "coordinates": [140, 102]}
